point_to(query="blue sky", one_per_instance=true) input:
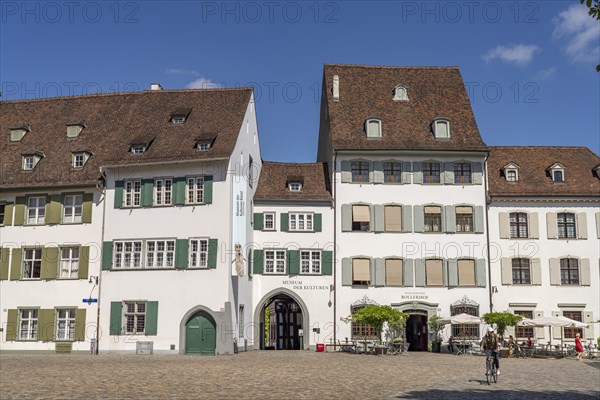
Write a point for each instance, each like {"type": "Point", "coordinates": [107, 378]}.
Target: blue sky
{"type": "Point", "coordinates": [529, 66]}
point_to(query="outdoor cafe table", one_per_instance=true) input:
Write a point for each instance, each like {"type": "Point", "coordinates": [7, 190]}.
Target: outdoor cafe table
{"type": "Point", "coordinates": [464, 348]}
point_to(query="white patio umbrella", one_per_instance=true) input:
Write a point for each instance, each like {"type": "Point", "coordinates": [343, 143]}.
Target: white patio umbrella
{"type": "Point", "coordinates": [558, 322]}
{"type": "Point", "coordinates": [461, 319]}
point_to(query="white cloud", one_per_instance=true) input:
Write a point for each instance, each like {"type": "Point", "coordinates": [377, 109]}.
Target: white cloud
{"type": "Point", "coordinates": [202, 83]}
{"type": "Point", "coordinates": [177, 71]}
{"type": "Point", "coordinates": [519, 54]}
{"type": "Point", "coordinates": [580, 31]}
{"type": "Point", "coordinates": [547, 73]}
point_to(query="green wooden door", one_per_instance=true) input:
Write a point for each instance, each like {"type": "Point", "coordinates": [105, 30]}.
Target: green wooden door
{"type": "Point", "coordinates": [200, 335]}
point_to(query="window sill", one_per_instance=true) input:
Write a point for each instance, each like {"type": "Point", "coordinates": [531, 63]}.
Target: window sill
{"type": "Point", "coordinates": [275, 274]}
{"type": "Point", "coordinates": [298, 231]}
{"type": "Point", "coordinates": [72, 223]}
{"type": "Point", "coordinates": [147, 269]}
{"type": "Point", "coordinates": [64, 340]}
{"type": "Point", "coordinates": [30, 279]}
{"type": "Point", "coordinates": [522, 238]}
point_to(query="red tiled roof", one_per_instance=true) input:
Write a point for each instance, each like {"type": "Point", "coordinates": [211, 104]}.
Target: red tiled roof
{"type": "Point", "coordinates": [367, 91]}
{"type": "Point", "coordinates": [113, 123]}
{"type": "Point", "coordinates": [275, 176]}
{"type": "Point", "coordinates": [534, 178]}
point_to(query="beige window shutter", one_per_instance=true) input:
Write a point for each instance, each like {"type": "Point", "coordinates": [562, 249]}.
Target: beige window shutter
{"type": "Point", "coordinates": [551, 225]}
{"type": "Point", "coordinates": [433, 210]}
{"type": "Point", "coordinates": [582, 226]}
{"type": "Point", "coordinates": [464, 210]}
{"type": "Point", "coordinates": [504, 225]}
{"type": "Point", "coordinates": [536, 271]}
{"type": "Point", "coordinates": [554, 271]}
{"type": "Point", "coordinates": [534, 225]}
{"type": "Point", "coordinates": [360, 213]}
{"type": "Point", "coordinates": [393, 219]}
{"type": "Point", "coordinates": [434, 270]}
{"type": "Point", "coordinates": [466, 272]}
{"type": "Point", "coordinates": [584, 272]}
{"type": "Point", "coordinates": [361, 270]}
{"type": "Point", "coordinates": [598, 224]}
{"type": "Point", "coordinates": [506, 270]}
{"type": "Point", "coordinates": [393, 272]}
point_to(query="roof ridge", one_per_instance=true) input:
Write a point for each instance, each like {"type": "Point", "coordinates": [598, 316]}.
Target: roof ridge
{"type": "Point", "coordinates": [394, 66]}
{"type": "Point", "coordinates": [139, 92]}
{"type": "Point", "coordinates": [292, 163]}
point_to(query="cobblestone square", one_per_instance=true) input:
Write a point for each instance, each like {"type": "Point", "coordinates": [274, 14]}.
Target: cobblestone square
{"type": "Point", "coordinates": [291, 375]}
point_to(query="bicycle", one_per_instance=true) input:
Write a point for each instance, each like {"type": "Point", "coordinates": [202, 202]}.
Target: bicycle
{"type": "Point", "coordinates": [491, 372]}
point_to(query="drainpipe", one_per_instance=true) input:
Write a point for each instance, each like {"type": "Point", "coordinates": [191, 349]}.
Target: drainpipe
{"type": "Point", "coordinates": [487, 232]}
{"type": "Point", "coordinates": [334, 249]}
{"type": "Point", "coordinates": [103, 192]}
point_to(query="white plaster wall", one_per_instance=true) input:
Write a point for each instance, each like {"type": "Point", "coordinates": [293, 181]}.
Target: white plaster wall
{"type": "Point", "coordinates": [546, 296]}
{"type": "Point", "coordinates": [313, 290]}
{"type": "Point", "coordinates": [52, 293]}
{"type": "Point", "coordinates": [408, 245]}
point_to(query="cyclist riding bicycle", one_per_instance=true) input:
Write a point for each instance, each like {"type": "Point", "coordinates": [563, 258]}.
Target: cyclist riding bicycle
{"type": "Point", "coordinates": [490, 343]}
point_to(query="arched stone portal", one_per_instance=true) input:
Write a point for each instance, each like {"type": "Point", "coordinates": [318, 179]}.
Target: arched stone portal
{"type": "Point", "coordinates": [417, 329]}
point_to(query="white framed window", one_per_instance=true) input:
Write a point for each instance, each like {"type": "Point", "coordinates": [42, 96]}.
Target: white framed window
{"type": "Point", "coordinates": [558, 176]}
{"type": "Point", "coordinates": [511, 173]}
{"type": "Point", "coordinates": [203, 145]}
{"type": "Point", "coordinates": [198, 253]}
{"type": "Point", "coordinates": [269, 224]}
{"type": "Point", "coordinates": [163, 191]}
{"type": "Point", "coordinates": [79, 159]}
{"type": "Point", "coordinates": [36, 210]}
{"type": "Point", "coordinates": [128, 254]}
{"type": "Point", "coordinates": [2, 211]}
{"type": "Point", "coordinates": [294, 186]}
{"type": "Point", "coordinates": [275, 262]}
{"type": "Point", "coordinates": [28, 324]}
{"type": "Point", "coordinates": [301, 222]}
{"type": "Point", "coordinates": [134, 317]}
{"type": "Point", "coordinates": [373, 128]}
{"type": "Point", "coordinates": [29, 162]}
{"type": "Point", "coordinates": [72, 208]}
{"type": "Point", "coordinates": [400, 93]}
{"type": "Point", "coordinates": [310, 261]}
{"type": "Point", "coordinates": [250, 171]}
{"type": "Point", "coordinates": [178, 119]}
{"type": "Point", "coordinates": [65, 324]}
{"type": "Point", "coordinates": [160, 253]}
{"type": "Point", "coordinates": [32, 263]}
{"type": "Point", "coordinates": [133, 194]}
{"type": "Point", "coordinates": [241, 321]}
{"type": "Point", "coordinates": [441, 128]}
{"type": "Point", "coordinates": [69, 262]}
{"type": "Point", "coordinates": [138, 148]}
{"type": "Point", "coordinates": [195, 190]}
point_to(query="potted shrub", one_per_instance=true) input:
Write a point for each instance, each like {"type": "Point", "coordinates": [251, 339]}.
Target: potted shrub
{"type": "Point", "coordinates": [377, 316]}
{"type": "Point", "coordinates": [436, 328]}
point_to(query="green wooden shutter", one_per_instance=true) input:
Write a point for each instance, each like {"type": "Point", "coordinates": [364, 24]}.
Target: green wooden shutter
{"type": "Point", "coordinates": [478, 220]}
{"type": "Point", "coordinates": [147, 192]}
{"type": "Point", "coordinates": [116, 316]}
{"type": "Point", "coordinates": [119, 194]}
{"type": "Point", "coordinates": [480, 275]}
{"type": "Point", "coordinates": [346, 272]}
{"type": "Point", "coordinates": [80, 324]}
{"type": "Point", "coordinates": [11, 325]}
{"type": "Point", "coordinates": [293, 262]}
{"type": "Point", "coordinates": [181, 253]}
{"type": "Point", "coordinates": [53, 209]}
{"type": "Point", "coordinates": [15, 265]}
{"type": "Point", "coordinates": [377, 172]}
{"type": "Point", "coordinates": [179, 190]}
{"type": "Point", "coordinates": [417, 173]}
{"type": "Point", "coordinates": [8, 214]}
{"type": "Point", "coordinates": [452, 272]}
{"type": "Point", "coordinates": [477, 175]}
{"type": "Point", "coordinates": [379, 278]}
{"type": "Point", "coordinates": [327, 262]}
{"type": "Point", "coordinates": [86, 208]}
{"type": "Point", "coordinates": [259, 221]}
{"type": "Point", "coordinates": [408, 272]}
{"type": "Point", "coordinates": [346, 217]}
{"type": "Point", "coordinates": [84, 262]}
{"type": "Point", "coordinates": [346, 173]}
{"type": "Point", "coordinates": [208, 189]}
{"type": "Point", "coordinates": [407, 219]}
{"type": "Point", "coordinates": [151, 318]}
{"type": "Point", "coordinates": [20, 211]}
{"type": "Point", "coordinates": [419, 273]}
{"type": "Point", "coordinates": [259, 261]}
{"type": "Point", "coordinates": [318, 222]}
{"type": "Point", "coordinates": [419, 218]}
{"type": "Point", "coordinates": [450, 219]}
{"type": "Point", "coordinates": [4, 263]}
{"type": "Point", "coordinates": [49, 263]}
{"type": "Point", "coordinates": [285, 222]}
{"type": "Point", "coordinates": [213, 246]}
{"type": "Point", "coordinates": [46, 325]}
{"type": "Point", "coordinates": [107, 255]}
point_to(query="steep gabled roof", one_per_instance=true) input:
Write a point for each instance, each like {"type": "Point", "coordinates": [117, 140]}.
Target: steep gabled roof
{"type": "Point", "coordinates": [114, 122]}
{"type": "Point", "coordinates": [368, 91]}
{"type": "Point", "coordinates": [275, 176]}
{"type": "Point", "coordinates": [534, 176]}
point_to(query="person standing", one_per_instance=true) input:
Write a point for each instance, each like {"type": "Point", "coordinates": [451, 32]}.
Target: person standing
{"type": "Point", "coordinates": [578, 346]}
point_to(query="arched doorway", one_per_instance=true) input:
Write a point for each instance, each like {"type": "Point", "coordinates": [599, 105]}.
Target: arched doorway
{"type": "Point", "coordinates": [281, 324]}
{"type": "Point", "coordinates": [416, 330]}
{"type": "Point", "coordinates": [200, 334]}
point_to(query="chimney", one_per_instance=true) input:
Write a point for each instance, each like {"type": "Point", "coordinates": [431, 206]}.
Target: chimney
{"type": "Point", "coordinates": [336, 88]}
{"type": "Point", "coordinates": [155, 86]}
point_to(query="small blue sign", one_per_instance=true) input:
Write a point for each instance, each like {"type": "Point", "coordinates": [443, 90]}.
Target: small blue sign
{"type": "Point", "coordinates": [89, 301]}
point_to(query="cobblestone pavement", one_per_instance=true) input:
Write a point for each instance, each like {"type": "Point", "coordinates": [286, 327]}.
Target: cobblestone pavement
{"type": "Point", "coordinates": [291, 375]}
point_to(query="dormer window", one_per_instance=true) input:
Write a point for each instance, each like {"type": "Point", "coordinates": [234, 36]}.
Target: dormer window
{"type": "Point", "coordinates": [597, 170]}
{"type": "Point", "coordinates": [16, 134]}
{"type": "Point", "coordinates": [441, 128]}
{"type": "Point", "coordinates": [373, 127]}
{"type": "Point", "coordinates": [178, 119]}
{"type": "Point", "coordinates": [557, 172]}
{"type": "Point", "coordinates": [400, 93]}
{"type": "Point", "coordinates": [80, 158]}
{"type": "Point", "coordinates": [295, 186]}
{"type": "Point", "coordinates": [511, 172]}
{"type": "Point", "coordinates": [31, 160]}
{"type": "Point", "coordinates": [203, 145]}
{"type": "Point", "coordinates": [74, 130]}
{"type": "Point", "coordinates": [138, 148]}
